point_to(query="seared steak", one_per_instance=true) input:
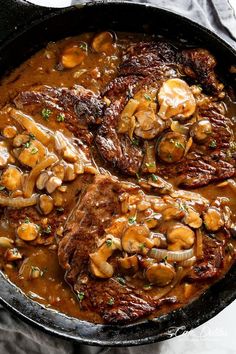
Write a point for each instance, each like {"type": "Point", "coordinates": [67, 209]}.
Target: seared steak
{"type": "Point", "coordinates": [114, 300]}
{"type": "Point", "coordinates": [80, 107]}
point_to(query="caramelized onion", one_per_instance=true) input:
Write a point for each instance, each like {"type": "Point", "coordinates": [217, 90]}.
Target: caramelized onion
{"type": "Point", "coordinates": [31, 180]}
{"type": "Point", "coordinates": [28, 123]}
{"type": "Point", "coordinates": [18, 202]}
{"type": "Point", "coordinates": [172, 256]}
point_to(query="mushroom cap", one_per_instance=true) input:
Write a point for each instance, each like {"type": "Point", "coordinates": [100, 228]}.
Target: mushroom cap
{"type": "Point", "coordinates": [160, 274]}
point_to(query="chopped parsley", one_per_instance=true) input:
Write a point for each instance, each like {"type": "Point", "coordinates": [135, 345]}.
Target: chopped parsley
{"type": "Point", "coordinates": [47, 230]}
{"type": "Point", "coordinates": [135, 141]}
{"type": "Point", "coordinates": [111, 301]}
{"type": "Point", "coordinates": [147, 97]}
{"type": "Point", "coordinates": [164, 259]}
{"type": "Point", "coordinates": [109, 242]}
{"type": "Point", "coordinates": [121, 280]}
{"type": "Point", "coordinates": [80, 295]}
{"type": "Point", "coordinates": [154, 177]}
{"type": "Point", "coordinates": [61, 117]}
{"type": "Point", "coordinates": [34, 150]}
{"type": "Point", "coordinates": [213, 144]}
{"type": "Point", "coordinates": [177, 144]}
{"type": "Point", "coordinates": [137, 176]}
{"type": "Point", "coordinates": [46, 113]}
{"type": "Point", "coordinates": [37, 270]}
{"type": "Point", "coordinates": [147, 287]}
{"type": "Point", "coordinates": [27, 220]}
{"type": "Point", "coordinates": [31, 136]}
{"type": "Point", "coordinates": [2, 188]}
{"type": "Point", "coordinates": [132, 220]}
{"type": "Point", "coordinates": [83, 46]}
{"type": "Point", "coordinates": [151, 164]}
{"type": "Point", "coordinates": [27, 144]}
{"type": "Point", "coordinates": [142, 246]}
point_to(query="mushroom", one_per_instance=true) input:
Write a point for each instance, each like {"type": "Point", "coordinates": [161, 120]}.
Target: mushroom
{"type": "Point", "coordinates": [192, 218]}
{"type": "Point", "coordinates": [12, 254]}
{"type": "Point", "coordinates": [201, 130]}
{"type": "Point", "coordinates": [42, 180]}
{"type": "Point", "coordinates": [69, 172]}
{"type": "Point", "coordinates": [172, 212]}
{"type": "Point", "coordinates": [135, 239]}
{"type": "Point", "coordinates": [117, 227]}
{"type": "Point", "coordinates": [180, 236]}
{"type": "Point", "coordinates": [171, 147]}
{"type": "Point", "coordinates": [104, 42]}
{"type": "Point", "coordinates": [20, 139]}
{"type": "Point", "coordinates": [52, 184]}
{"type": "Point", "coordinates": [176, 99]}
{"type": "Point", "coordinates": [129, 263]}
{"type": "Point", "coordinates": [11, 178]}
{"type": "Point", "coordinates": [73, 55]}
{"type": "Point", "coordinates": [4, 154]}
{"type": "Point", "coordinates": [28, 231]}
{"type": "Point", "coordinates": [98, 260]}
{"type": "Point", "coordinates": [148, 125]}
{"type": "Point", "coordinates": [46, 204]}
{"type": "Point", "coordinates": [59, 171]}
{"type": "Point", "coordinates": [9, 132]}
{"type": "Point", "coordinates": [160, 274]}
{"type": "Point", "coordinates": [5, 242]}
{"type": "Point", "coordinates": [32, 153]}
{"type": "Point", "coordinates": [213, 219]}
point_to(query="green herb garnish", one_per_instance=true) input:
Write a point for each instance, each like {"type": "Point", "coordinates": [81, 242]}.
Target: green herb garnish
{"type": "Point", "coordinates": [46, 113]}
{"type": "Point", "coordinates": [137, 176]}
{"type": "Point", "coordinates": [2, 188]}
{"type": "Point", "coordinates": [135, 141]}
{"type": "Point", "coordinates": [151, 164]}
{"type": "Point", "coordinates": [109, 242]}
{"type": "Point", "coordinates": [213, 144]}
{"type": "Point", "coordinates": [111, 301]}
{"type": "Point", "coordinates": [147, 97]}
{"type": "Point", "coordinates": [142, 246]}
{"type": "Point", "coordinates": [61, 117]}
{"type": "Point", "coordinates": [27, 144]}
{"type": "Point", "coordinates": [34, 150]}
{"type": "Point", "coordinates": [132, 220]}
{"type": "Point", "coordinates": [31, 136]}
{"type": "Point", "coordinates": [147, 287]}
{"type": "Point", "coordinates": [164, 259]}
{"type": "Point", "coordinates": [83, 46]}
{"type": "Point", "coordinates": [60, 209]}
{"type": "Point", "coordinates": [80, 295]}
{"type": "Point", "coordinates": [154, 177]}
{"type": "Point", "coordinates": [121, 280]}
{"type": "Point", "coordinates": [47, 230]}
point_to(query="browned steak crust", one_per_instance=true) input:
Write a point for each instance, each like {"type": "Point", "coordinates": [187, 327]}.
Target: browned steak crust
{"type": "Point", "coordinates": [81, 107]}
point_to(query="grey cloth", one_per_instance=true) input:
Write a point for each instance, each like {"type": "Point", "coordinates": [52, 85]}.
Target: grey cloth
{"type": "Point", "coordinates": [17, 337]}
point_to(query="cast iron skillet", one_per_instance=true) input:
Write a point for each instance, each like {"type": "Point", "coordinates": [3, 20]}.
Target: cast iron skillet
{"type": "Point", "coordinates": [25, 28]}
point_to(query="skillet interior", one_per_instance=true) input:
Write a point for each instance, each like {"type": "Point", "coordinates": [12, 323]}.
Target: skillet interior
{"type": "Point", "coordinates": [52, 25]}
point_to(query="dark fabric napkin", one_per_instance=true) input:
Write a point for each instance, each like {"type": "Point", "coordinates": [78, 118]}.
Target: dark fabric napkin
{"type": "Point", "coordinates": [17, 337]}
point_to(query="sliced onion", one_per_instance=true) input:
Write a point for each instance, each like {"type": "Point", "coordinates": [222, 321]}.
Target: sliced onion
{"type": "Point", "coordinates": [29, 124]}
{"type": "Point", "coordinates": [18, 202]}
{"type": "Point", "coordinates": [189, 262]}
{"type": "Point", "coordinates": [172, 256]}
{"type": "Point", "coordinates": [31, 180]}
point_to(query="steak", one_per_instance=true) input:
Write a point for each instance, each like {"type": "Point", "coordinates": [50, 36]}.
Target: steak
{"type": "Point", "coordinates": [81, 108]}
{"type": "Point", "coordinates": [115, 301]}
{"type": "Point", "coordinates": [148, 65]}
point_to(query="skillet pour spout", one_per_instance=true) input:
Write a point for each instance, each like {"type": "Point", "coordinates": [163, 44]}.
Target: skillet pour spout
{"type": "Point", "coordinates": [45, 25]}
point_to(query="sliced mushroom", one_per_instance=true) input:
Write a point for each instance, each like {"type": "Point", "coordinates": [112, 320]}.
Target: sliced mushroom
{"type": "Point", "coordinates": [12, 178]}
{"type": "Point", "coordinates": [201, 130]}
{"type": "Point", "coordinates": [117, 227]}
{"type": "Point", "coordinates": [160, 274]}
{"type": "Point", "coordinates": [172, 212]}
{"type": "Point", "coordinates": [42, 180]}
{"type": "Point", "coordinates": [104, 42]}
{"type": "Point", "coordinates": [192, 218]}
{"type": "Point", "coordinates": [70, 174]}
{"type": "Point", "coordinates": [46, 204]}
{"type": "Point", "coordinates": [171, 147]}
{"type": "Point", "coordinates": [52, 184]}
{"type": "Point", "coordinates": [136, 239]}
{"type": "Point", "coordinates": [99, 265]}
{"type": "Point", "coordinates": [9, 132]}
{"type": "Point", "coordinates": [4, 154]}
{"type": "Point", "coordinates": [28, 231]}
{"type": "Point", "coordinates": [32, 154]}
{"type": "Point", "coordinates": [148, 125]}
{"type": "Point", "coordinates": [129, 263]}
{"type": "Point", "coordinates": [12, 254]}
{"type": "Point", "coordinates": [180, 236]}
{"type": "Point", "coordinates": [213, 219]}
{"type": "Point", "coordinates": [6, 242]}
{"type": "Point", "coordinates": [59, 171]}
{"type": "Point", "coordinates": [74, 55]}
{"type": "Point", "coordinates": [176, 99]}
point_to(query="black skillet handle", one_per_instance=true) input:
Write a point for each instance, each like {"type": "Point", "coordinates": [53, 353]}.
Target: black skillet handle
{"type": "Point", "coordinates": [15, 15]}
